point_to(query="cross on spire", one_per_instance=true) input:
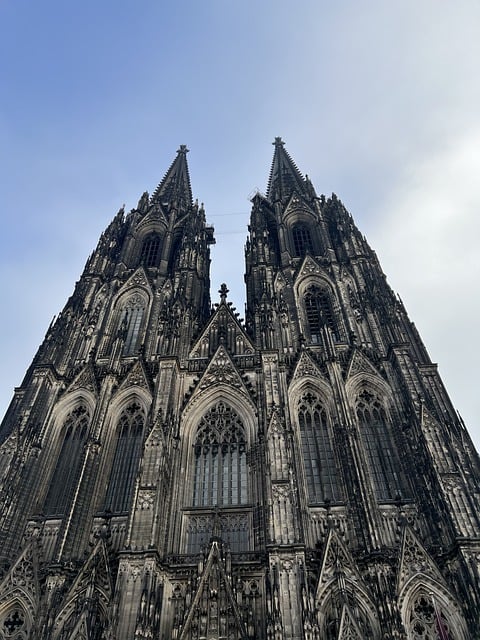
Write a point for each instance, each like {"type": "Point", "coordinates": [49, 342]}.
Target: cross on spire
{"type": "Point", "coordinates": [223, 291]}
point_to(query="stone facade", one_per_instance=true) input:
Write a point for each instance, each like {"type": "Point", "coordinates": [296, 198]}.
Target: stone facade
{"type": "Point", "coordinates": [169, 470]}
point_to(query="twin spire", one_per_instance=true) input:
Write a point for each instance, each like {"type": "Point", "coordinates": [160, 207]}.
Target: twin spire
{"type": "Point", "coordinates": [175, 188]}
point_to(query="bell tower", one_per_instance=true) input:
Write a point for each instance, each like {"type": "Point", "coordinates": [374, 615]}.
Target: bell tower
{"type": "Point", "coordinates": [170, 471]}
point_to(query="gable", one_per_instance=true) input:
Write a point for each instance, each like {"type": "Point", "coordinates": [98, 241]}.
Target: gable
{"type": "Point", "coordinates": [223, 328]}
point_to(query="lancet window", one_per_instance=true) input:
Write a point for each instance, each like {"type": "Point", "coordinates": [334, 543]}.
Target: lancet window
{"type": "Point", "coordinates": [427, 621]}
{"type": "Point", "coordinates": [125, 463]}
{"type": "Point", "coordinates": [319, 313]}
{"type": "Point", "coordinates": [220, 492]}
{"type": "Point", "coordinates": [14, 624]}
{"type": "Point", "coordinates": [69, 462]}
{"type": "Point", "coordinates": [151, 250]}
{"type": "Point", "coordinates": [220, 460]}
{"type": "Point", "coordinates": [321, 471]}
{"type": "Point", "coordinates": [377, 440]}
{"type": "Point", "coordinates": [302, 239]}
{"type": "Point", "coordinates": [131, 323]}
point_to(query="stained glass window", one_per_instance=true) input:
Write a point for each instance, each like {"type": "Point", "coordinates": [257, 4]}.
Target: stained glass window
{"type": "Point", "coordinates": [220, 472]}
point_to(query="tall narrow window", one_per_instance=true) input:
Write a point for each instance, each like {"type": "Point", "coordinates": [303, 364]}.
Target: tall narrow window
{"type": "Point", "coordinates": [321, 471]}
{"type": "Point", "coordinates": [376, 437]}
{"type": "Point", "coordinates": [319, 312]}
{"type": "Point", "coordinates": [67, 469]}
{"type": "Point", "coordinates": [125, 462]}
{"type": "Point", "coordinates": [151, 250]}
{"type": "Point", "coordinates": [302, 240]}
{"type": "Point", "coordinates": [131, 323]}
{"type": "Point", "coordinates": [219, 482]}
{"type": "Point", "coordinates": [220, 467]}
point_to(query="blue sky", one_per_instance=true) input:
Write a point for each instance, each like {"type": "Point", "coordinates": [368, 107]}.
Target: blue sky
{"type": "Point", "coordinates": [377, 101]}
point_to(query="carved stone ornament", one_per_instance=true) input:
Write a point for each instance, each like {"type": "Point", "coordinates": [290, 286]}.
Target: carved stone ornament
{"type": "Point", "coordinates": [221, 371]}
{"type": "Point", "coordinates": [309, 267]}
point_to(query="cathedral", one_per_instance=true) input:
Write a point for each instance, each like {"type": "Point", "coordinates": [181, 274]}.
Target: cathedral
{"type": "Point", "coordinates": [169, 470]}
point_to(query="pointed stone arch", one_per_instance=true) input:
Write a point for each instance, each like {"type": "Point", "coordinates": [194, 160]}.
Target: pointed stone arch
{"type": "Point", "coordinates": [342, 591]}
{"type": "Point", "coordinates": [373, 410]}
{"type": "Point", "coordinates": [312, 412]}
{"type": "Point", "coordinates": [65, 436]}
{"type": "Point", "coordinates": [124, 434]}
{"type": "Point", "coordinates": [226, 456]}
{"type": "Point", "coordinates": [426, 607]}
{"type": "Point", "coordinates": [307, 373]}
{"type": "Point", "coordinates": [129, 313]}
{"type": "Point", "coordinates": [20, 595]}
{"type": "Point", "coordinates": [317, 302]}
{"type": "Point", "coordinates": [16, 622]}
{"type": "Point", "coordinates": [80, 396]}
{"type": "Point", "coordinates": [91, 588]}
{"type": "Point", "coordinates": [424, 600]}
{"type": "Point", "coordinates": [214, 595]}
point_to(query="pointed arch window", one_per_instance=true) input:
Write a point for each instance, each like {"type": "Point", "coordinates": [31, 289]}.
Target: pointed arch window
{"type": "Point", "coordinates": [427, 621]}
{"type": "Point", "coordinates": [321, 471]}
{"type": "Point", "coordinates": [381, 453]}
{"type": "Point", "coordinates": [69, 462]}
{"type": "Point", "coordinates": [302, 239]}
{"type": "Point", "coordinates": [14, 623]}
{"type": "Point", "coordinates": [151, 250]}
{"type": "Point", "coordinates": [127, 456]}
{"type": "Point", "coordinates": [220, 459]}
{"type": "Point", "coordinates": [319, 313]}
{"type": "Point", "coordinates": [131, 323]}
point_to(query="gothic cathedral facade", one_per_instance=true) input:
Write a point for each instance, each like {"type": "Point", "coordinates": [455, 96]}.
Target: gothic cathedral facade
{"type": "Point", "coordinates": [170, 471]}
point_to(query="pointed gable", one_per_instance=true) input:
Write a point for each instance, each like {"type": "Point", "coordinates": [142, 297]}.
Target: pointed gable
{"type": "Point", "coordinates": [21, 584]}
{"type": "Point", "coordinates": [297, 203]}
{"type": "Point", "coordinates": [222, 371]}
{"type": "Point", "coordinates": [336, 561]}
{"type": "Point", "coordinates": [85, 379]}
{"type": "Point", "coordinates": [306, 367]}
{"type": "Point", "coordinates": [138, 279]}
{"type": "Point", "coordinates": [308, 267]}
{"type": "Point", "coordinates": [92, 584]}
{"type": "Point", "coordinates": [360, 364]}
{"type": "Point", "coordinates": [415, 561]}
{"type": "Point", "coordinates": [136, 377]}
{"type": "Point", "coordinates": [349, 629]}
{"type": "Point", "coordinates": [223, 328]}
{"type": "Point", "coordinates": [153, 217]}
{"type": "Point", "coordinates": [214, 611]}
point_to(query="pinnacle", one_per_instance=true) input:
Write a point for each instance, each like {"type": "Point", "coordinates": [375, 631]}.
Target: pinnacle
{"type": "Point", "coordinates": [175, 189]}
{"type": "Point", "coordinates": [285, 177]}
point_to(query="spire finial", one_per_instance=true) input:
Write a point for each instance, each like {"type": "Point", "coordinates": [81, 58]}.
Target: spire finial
{"type": "Point", "coordinates": [175, 189]}
{"type": "Point", "coordinates": [223, 291]}
{"type": "Point", "coordinates": [278, 142]}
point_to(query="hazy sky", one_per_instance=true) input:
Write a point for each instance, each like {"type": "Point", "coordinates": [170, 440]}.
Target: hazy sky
{"type": "Point", "coordinates": [378, 101]}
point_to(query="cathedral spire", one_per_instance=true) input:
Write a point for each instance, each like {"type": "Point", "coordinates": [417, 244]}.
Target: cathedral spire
{"type": "Point", "coordinates": [284, 174]}
{"type": "Point", "coordinates": [175, 188]}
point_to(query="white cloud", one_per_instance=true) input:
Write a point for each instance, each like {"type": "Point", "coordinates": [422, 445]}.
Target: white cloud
{"type": "Point", "coordinates": [427, 234]}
